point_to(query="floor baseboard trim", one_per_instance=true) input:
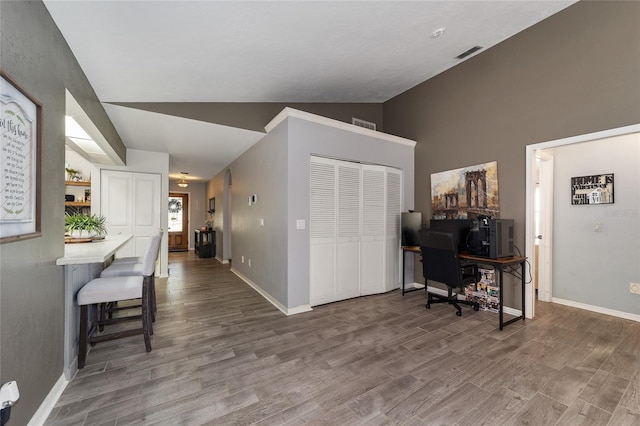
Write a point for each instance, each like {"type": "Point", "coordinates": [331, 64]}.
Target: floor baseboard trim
{"type": "Point", "coordinates": [270, 299]}
{"type": "Point", "coordinates": [597, 309]}
{"type": "Point", "coordinates": [42, 414]}
{"type": "Point", "coordinates": [223, 261]}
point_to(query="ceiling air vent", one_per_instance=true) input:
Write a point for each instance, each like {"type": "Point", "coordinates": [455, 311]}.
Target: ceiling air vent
{"type": "Point", "coordinates": [361, 123]}
{"type": "Point", "coordinates": [469, 52]}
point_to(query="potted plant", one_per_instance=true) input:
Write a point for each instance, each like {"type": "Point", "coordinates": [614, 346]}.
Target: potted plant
{"type": "Point", "coordinates": [84, 226]}
{"type": "Point", "coordinates": [71, 173]}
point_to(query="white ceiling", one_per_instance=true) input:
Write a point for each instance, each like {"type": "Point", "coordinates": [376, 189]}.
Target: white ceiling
{"type": "Point", "coordinates": [267, 51]}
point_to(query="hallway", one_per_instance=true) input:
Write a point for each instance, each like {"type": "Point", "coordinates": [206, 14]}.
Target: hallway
{"type": "Point", "coordinates": [223, 355]}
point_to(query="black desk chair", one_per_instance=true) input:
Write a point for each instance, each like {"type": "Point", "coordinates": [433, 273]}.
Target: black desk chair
{"type": "Point", "coordinates": [440, 262]}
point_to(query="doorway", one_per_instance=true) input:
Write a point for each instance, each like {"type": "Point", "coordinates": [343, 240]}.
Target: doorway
{"type": "Point", "coordinates": [540, 163]}
{"type": "Point", "coordinates": [178, 227]}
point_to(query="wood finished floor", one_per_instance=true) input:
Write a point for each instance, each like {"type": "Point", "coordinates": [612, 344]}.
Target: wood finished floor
{"type": "Point", "coordinates": [223, 355]}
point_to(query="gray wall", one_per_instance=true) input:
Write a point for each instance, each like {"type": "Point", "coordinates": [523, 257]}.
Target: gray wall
{"type": "Point", "coordinates": [277, 170]}
{"type": "Point", "coordinates": [35, 54]}
{"type": "Point", "coordinates": [254, 116]}
{"type": "Point", "coordinates": [261, 170]}
{"type": "Point", "coordinates": [309, 138]}
{"type": "Point", "coordinates": [574, 73]}
{"type": "Point", "coordinates": [590, 267]}
{"type": "Point", "coordinates": [215, 188]}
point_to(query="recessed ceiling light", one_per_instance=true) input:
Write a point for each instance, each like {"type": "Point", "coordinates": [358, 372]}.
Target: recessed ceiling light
{"type": "Point", "coordinates": [437, 33]}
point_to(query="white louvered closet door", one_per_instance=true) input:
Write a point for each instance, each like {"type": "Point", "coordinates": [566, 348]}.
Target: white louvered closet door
{"type": "Point", "coordinates": [348, 232]}
{"type": "Point", "coordinates": [392, 248]}
{"type": "Point", "coordinates": [354, 229]}
{"type": "Point", "coordinates": [373, 230]}
{"type": "Point", "coordinates": [322, 229]}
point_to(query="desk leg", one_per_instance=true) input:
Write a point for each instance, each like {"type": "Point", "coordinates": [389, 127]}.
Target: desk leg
{"type": "Point", "coordinates": [523, 290]}
{"type": "Point", "coordinates": [404, 253]}
{"type": "Point", "coordinates": [501, 296]}
{"type": "Point", "coordinates": [522, 316]}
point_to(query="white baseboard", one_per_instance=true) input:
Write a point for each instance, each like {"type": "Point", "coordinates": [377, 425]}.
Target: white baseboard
{"type": "Point", "coordinates": [223, 261]}
{"type": "Point", "coordinates": [41, 415]}
{"type": "Point", "coordinates": [598, 309]}
{"type": "Point", "coordinates": [270, 299]}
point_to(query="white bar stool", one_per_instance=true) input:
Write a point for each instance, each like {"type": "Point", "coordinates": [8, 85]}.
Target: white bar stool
{"type": "Point", "coordinates": [114, 289]}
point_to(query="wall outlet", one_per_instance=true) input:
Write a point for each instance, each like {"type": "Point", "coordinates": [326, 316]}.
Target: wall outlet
{"type": "Point", "coordinates": [634, 288]}
{"type": "Point", "coordinates": [249, 263]}
{"type": "Point", "coordinates": [597, 227]}
{"type": "Point", "coordinates": [242, 258]}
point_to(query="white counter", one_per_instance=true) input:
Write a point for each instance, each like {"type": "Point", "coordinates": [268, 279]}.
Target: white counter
{"type": "Point", "coordinates": [96, 252]}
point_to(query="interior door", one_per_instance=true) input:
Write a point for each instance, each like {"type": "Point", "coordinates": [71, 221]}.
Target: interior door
{"type": "Point", "coordinates": [348, 233]}
{"type": "Point", "coordinates": [393, 203]}
{"type": "Point", "coordinates": [545, 236]}
{"type": "Point", "coordinates": [322, 230]}
{"type": "Point", "coordinates": [373, 264]}
{"type": "Point", "coordinates": [178, 222]}
{"type": "Point", "coordinates": [130, 203]}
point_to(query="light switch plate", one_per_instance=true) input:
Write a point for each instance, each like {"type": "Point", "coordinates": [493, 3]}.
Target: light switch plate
{"type": "Point", "coordinates": [300, 224]}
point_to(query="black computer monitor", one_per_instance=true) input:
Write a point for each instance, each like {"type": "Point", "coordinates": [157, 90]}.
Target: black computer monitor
{"type": "Point", "coordinates": [458, 227]}
{"type": "Point", "coordinates": [411, 223]}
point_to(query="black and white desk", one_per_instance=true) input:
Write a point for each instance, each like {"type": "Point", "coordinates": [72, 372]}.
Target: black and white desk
{"type": "Point", "coordinates": [499, 265]}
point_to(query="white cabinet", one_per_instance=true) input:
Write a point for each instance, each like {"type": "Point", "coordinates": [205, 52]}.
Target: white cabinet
{"type": "Point", "coordinates": [354, 229]}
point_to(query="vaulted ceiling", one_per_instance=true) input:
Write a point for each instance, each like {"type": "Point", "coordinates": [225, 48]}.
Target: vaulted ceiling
{"type": "Point", "coordinates": [266, 51]}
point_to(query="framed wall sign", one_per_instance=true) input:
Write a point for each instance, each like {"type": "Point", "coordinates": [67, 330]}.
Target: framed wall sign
{"type": "Point", "coordinates": [594, 189]}
{"type": "Point", "coordinates": [20, 144]}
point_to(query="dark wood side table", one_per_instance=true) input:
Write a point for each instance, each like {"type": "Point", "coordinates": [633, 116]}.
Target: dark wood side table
{"type": "Point", "coordinates": [204, 243]}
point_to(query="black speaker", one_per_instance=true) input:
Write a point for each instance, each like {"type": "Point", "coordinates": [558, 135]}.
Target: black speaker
{"type": "Point", "coordinates": [69, 197]}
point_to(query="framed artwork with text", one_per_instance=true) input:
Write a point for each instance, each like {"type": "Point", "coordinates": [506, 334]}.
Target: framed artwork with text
{"type": "Point", "coordinates": [20, 145]}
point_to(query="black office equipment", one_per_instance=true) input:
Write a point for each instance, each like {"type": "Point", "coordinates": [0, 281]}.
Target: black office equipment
{"type": "Point", "coordinates": [492, 238]}
{"type": "Point", "coordinates": [440, 262]}
{"type": "Point", "coordinates": [411, 223]}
